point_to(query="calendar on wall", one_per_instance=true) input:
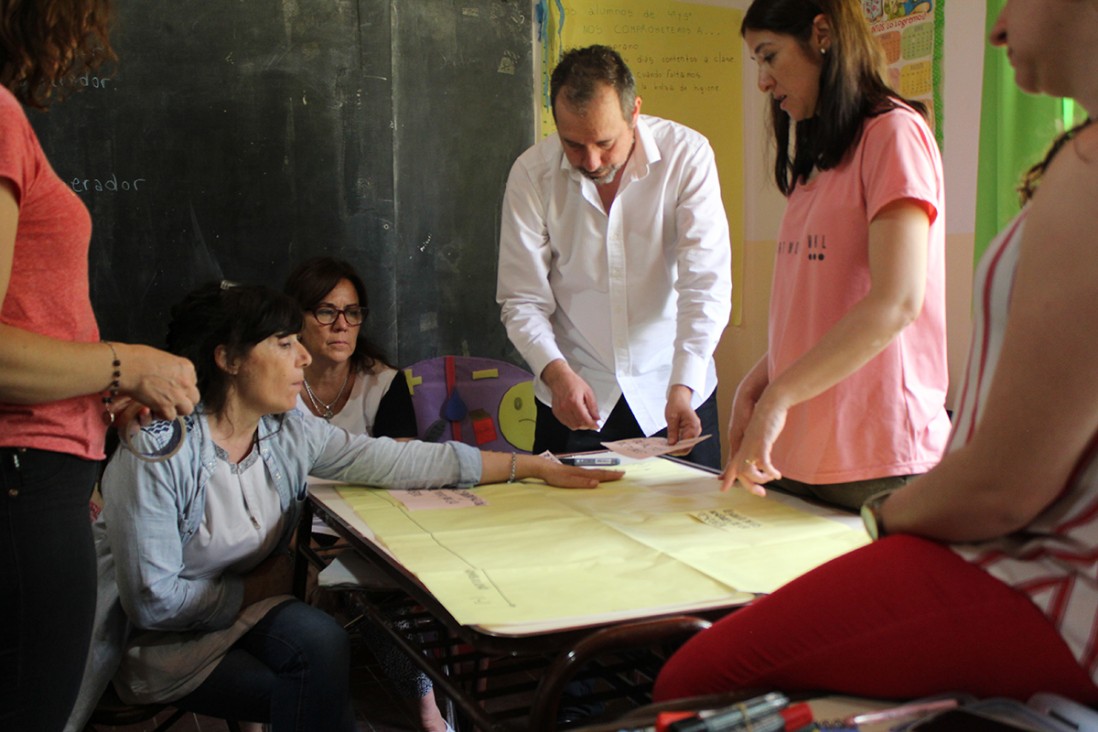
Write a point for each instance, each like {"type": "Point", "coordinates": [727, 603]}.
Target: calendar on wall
{"type": "Point", "coordinates": [912, 35]}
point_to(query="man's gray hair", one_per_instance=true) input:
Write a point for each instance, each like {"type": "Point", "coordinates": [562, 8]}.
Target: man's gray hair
{"type": "Point", "coordinates": [580, 73]}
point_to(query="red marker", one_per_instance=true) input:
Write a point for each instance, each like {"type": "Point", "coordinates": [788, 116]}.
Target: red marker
{"type": "Point", "coordinates": [792, 718]}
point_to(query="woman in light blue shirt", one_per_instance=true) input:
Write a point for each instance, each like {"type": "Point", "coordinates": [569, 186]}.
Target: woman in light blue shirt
{"type": "Point", "coordinates": [193, 550]}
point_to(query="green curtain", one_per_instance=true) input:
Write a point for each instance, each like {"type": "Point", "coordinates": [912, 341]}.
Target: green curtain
{"type": "Point", "coordinates": [1015, 131]}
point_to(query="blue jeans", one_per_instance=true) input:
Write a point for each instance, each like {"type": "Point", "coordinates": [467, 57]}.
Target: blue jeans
{"type": "Point", "coordinates": [292, 670]}
{"type": "Point", "coordinates": [47, 585]}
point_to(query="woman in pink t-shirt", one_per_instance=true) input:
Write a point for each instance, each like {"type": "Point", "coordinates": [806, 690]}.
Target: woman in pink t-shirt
{"type": "Point", "coordinates": [57, 379]}
{"type": "Point", "coordinates": [850, 397]}
{"type": "Point", "coordinates": [983, 579]}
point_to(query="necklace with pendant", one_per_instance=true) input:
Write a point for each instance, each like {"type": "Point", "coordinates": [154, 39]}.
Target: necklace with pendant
{"type": "Point", "coordinates": [325, 410]}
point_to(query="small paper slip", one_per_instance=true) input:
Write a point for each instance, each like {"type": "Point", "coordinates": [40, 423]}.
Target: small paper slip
{"type": "Point", "coordinates": [645, 447]}
{"type": "Point", "coordinates": [420, 499]}
{"type": "Point", "coordinates": [550, 457]}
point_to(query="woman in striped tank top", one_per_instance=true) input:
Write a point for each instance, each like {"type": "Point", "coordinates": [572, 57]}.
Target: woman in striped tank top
{"type": "Point", "coordinates": [985, 577]}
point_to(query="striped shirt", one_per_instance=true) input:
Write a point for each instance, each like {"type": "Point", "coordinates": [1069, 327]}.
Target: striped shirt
{"type": "Point", "coordinates": [1052, 560]}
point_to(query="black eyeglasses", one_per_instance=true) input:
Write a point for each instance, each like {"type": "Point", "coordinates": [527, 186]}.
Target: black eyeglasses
{"type": "Point", "coordinates": [354, 315]}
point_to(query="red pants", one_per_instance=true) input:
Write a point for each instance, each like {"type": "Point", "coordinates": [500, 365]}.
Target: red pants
{"type": "Point", "coordinates": [901, 618]}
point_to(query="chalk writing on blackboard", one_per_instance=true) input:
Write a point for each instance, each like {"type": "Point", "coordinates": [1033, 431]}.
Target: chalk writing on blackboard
{"type": "Point", "coordinates": [234, 139]}
{"type": "Point", "coordinates": [90, 81]}
{"type": "Point", "coordinates": [109, 184]}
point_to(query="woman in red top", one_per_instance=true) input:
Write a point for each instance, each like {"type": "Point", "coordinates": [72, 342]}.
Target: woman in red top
{"type": "Point", "coordinates": [57, 379]}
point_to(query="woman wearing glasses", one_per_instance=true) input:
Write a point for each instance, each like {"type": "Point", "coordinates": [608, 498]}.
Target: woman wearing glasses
{"type": "Point", "coordinates": [349, 383]}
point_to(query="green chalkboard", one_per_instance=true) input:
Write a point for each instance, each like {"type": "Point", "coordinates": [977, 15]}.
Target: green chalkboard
{"type": "Point", "coordinates": [237, 137]}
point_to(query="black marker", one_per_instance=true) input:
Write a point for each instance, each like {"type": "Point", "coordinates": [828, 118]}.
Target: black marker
{"type": "Point", "coordinates": [590, 461]}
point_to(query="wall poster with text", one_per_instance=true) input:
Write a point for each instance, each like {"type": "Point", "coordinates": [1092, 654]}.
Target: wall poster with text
{"type": "Point", "coordinates": [912, 33]}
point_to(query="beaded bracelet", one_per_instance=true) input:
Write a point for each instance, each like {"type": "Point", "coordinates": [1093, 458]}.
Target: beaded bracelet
{"type": "Point", "coordinates": [111, 392]}
{"type": "Point", "coordinates": [514, 467]}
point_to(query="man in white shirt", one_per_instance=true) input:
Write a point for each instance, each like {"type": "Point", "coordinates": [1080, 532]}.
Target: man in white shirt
{"type": "Point", "coordinates": [614, 267]}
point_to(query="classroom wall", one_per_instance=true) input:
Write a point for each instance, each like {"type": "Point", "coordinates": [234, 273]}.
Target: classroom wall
{"type": "Point", "coordinates": [233, 140]}
{"type": "Point", "coordinates": [743, 344]}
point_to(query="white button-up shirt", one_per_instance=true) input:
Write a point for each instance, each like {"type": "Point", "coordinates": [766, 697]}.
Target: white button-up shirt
{"type": "Point", "coordinates": [634, 299]}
